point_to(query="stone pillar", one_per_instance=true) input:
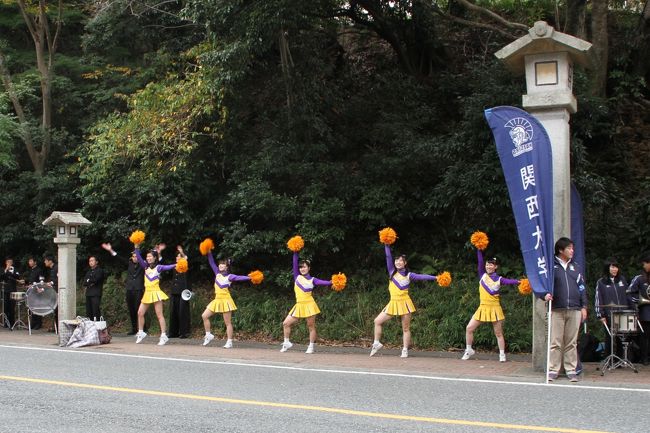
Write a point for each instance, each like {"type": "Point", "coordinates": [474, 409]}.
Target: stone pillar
{"type": "Point", "coordinates": [546, 57]}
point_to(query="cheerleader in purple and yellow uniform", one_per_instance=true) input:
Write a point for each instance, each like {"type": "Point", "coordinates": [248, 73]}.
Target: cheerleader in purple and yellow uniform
{"type": "Point", "coordinates": [152, 292]}
{"type": "Point", "coordinates": [305, 307]}
{"type": "Point", "coordinates": [489, 309]}
{"type": "Point", "coordinates": [400, 303]}
{"type": "Point", "coordinates": [222, 302]}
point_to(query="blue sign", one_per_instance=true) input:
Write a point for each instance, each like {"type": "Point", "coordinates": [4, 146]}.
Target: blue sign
{"type": "Point", "coordinates": [525, 153]}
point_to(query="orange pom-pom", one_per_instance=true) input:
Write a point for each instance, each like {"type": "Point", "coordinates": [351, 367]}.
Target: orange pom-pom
{"type": "Point", "coordinates": [479, 240]}
{"type": "Point", "coordinates": [137, 237]}
{"type": "Point", "coordinates": [524, 287]}
{"type": "Point", "coordinates": [256, 277]}
{"type": "Point", "coordinates": [206, 246]}
{"type": "Point", "coordinates": [295, 244]}
{"type": "Point", "coordinates": [339, 281]}
{"type": "Point", "coordinates": [444, 279]}
{"type": "Point", "coordinates": [182, 266]}
{"type": "Point", "coordinates": [387, 236]}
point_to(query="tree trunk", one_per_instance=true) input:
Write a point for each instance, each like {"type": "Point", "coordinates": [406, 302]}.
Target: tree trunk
{"type": "Point", "coordinates": [575, 23]}
{"type": "Point", "coordinates": [599, 39]}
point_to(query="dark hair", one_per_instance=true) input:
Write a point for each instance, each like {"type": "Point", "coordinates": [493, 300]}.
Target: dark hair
{"type": "Point", "coordinates": [154, 253]}
{"type": "Point", "coordinates": [306, 262]}
{"type": "Point", "coordinates": [492, 260]}
{"type": "Point", "coordinates": [561, 244]}
{"type": "Point", "coordinates": [49, 257]}
{"type": "Point", "coordinates": [92, 256]}
{"type": "Point", "coordinates": [403, 257]}
{"type": "Point", "coordinates": [645, 257]}
{"type": "Point", "coordinates": [611, 261]}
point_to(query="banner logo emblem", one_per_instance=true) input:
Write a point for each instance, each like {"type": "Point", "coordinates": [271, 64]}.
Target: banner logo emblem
{"type": "Point", "coordinates": [521, 134]}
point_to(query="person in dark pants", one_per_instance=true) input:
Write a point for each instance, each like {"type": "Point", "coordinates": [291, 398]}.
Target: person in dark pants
{"type": "Point", "coordinates": [639, 293]}
{"type": "Point", "coordinates": [8, 278]}
{"type": "Point", "coordinates": [179, 318]}
{"type": "Point", "coordinates": [134, 287]}
{"type": "Point", "coordinates": [52, 280]}
{"type": "Point", "coordinates": [34, 275]}
{"type": "Point", "coordinates": [93, 284]}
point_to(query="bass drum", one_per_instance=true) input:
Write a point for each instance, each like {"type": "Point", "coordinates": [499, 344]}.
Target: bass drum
{"type": "Point", "coordinates": [40, 299]}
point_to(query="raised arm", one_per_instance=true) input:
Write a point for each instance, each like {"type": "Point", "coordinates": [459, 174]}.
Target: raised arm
{"type": "Point", "coordinates": [509, 281]}
{"type": "Point", "coordinates": [213, 265]}
{"type": "Point", "coordinates": [481, 262]}
{"type": "Point", "coordinates": [422, 277]}
{"type": "Point", "coordinates": [319, 282]}
{"type": "Point", "coordinates": [233, 277]}
{"type": "Point", "coordinates": [296, 271]}
{"type": "Point", "coordinates": [163, 268]}
{"type": "Point", "coordinates": [390, 264]}
{"type": "Point", "coordinates": [143, 264]}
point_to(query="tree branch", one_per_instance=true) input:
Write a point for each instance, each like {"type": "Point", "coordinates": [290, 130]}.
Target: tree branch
{"type": "Point", "coordinates": [473, 23]}
{"type": "Point", "coordinates": [31, 25]}
{"type": "Point", "coordinates": [496, 17]}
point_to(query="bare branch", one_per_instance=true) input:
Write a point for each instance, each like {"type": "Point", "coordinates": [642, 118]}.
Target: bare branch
{"type": "Point", "coordinates": [496, 17]}
{"type": "Point", "coordinates": [59, 22]}
{"type": "Point", "coordinates": [473, 23]}
{"type": "Point", "coordinates": [31, 25]}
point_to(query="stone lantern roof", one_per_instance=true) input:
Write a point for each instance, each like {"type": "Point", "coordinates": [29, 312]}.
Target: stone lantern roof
{"type": "Point", "coordinates": [66, 218]}
{"type": "Point", "coordinates": [542, 38]}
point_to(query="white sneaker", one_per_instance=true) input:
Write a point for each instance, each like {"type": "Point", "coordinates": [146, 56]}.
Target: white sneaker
{"type": "Point", "coordinates": [140, 336]}
{"type": "Point", "coordinates": [228, 344]}
{"type": "Point", "coordinates": [163, 340]}
{"type": "Point", "coordinates": [502, 357]}
{"type": "Point", "coordinates": [375, 348]}
{"type": "Point", "coordinates": [310, 349]}
{"type": "Point", "coordinates": [208, 338]}
{"type": "Point", "coordinates": [405, 353]}
{"type": "Point", "coordinates": [468, 354]}
{"type": "Point", "coordinates": [286, 346]}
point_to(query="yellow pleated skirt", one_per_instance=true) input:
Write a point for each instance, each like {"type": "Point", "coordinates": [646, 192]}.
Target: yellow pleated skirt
{"type": "Point", "coordinates": [153, 296]}
{"type": "Point", "coordinates": [399, 307]}
{"type": "Point", "coordinates": [222, 304]}
{"type": "Point", "coordinates": [489, 313]}
{"type": "Point", "coordinates": [304, 309]}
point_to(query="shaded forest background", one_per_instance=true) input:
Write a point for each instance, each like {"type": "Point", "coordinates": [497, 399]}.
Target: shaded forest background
{"type": "Point", "coordinates": [251, 121]}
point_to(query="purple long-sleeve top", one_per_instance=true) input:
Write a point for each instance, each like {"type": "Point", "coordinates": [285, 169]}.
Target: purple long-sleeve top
{"type": "Point", "coordinates": [231, 277]}
{"type": "Point", "coordinates": [494, 276]}
{"type": "Point", "coordinates": [145, 265]}
{"type": "Point", "coordinates": [390, 266]}
{"type": "Point", "coordinates": [296, 274]}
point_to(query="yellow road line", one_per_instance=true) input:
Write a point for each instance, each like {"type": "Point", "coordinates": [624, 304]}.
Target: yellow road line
{"type": "Point", "coordinates": [298, 406]}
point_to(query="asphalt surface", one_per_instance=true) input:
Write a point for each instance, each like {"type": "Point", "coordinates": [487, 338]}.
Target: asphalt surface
{"type": "Point", "coordinates": [183, 386]}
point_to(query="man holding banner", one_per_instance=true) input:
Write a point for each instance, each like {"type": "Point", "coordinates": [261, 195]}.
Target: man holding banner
{"type": "Point", "coordinates": [524, 150]}
{"type": "Point", "coordinates": [569, 311]}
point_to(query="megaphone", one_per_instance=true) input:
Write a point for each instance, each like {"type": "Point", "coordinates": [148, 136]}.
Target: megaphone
{"type": "Point", "coordinates": [187, 294]}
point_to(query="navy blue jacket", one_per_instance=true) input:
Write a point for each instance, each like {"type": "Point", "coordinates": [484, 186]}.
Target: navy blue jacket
{"type": "Point", "coordinates": [569, 291]}
{"type": "Point", "coordinates": [610, 292]}
{"type": "Point", "coordinates": [640, 285]}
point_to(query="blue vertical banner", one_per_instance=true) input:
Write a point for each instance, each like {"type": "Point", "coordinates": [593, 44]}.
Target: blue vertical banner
{"type": "Point", "coordinates": [525, 153]}
{"type": "Point", "coordinates": [578, 230]}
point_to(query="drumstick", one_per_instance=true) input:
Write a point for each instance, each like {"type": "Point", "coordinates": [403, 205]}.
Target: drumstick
{"type": "Point", "coordinates": [637, 321]}
{"type": "Point", "coordinates": [606, 327]}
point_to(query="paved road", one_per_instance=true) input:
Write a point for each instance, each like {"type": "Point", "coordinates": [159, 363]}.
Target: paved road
{"type": "Point", "coordinates": [128, 388]}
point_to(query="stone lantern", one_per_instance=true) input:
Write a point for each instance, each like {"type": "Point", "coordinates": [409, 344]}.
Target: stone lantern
{"type": "Point", "coordinates": [547, 58]}
{"type": "Point", "coordinates": [66, 236]}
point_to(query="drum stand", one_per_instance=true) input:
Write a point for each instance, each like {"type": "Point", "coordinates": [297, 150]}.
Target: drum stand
{"type": "Point", "coordinates": [3, 316]}
{"type": "Point", "coordinates": [19, 323]}
{"type": "Point", "coordinates": [612, 362]}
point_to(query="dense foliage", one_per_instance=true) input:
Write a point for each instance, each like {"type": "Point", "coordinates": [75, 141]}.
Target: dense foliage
{"type": "Point", "coordinates": [251, 121]}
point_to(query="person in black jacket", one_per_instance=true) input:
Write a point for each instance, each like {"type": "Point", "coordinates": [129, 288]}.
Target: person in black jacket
{"type": "Point", "coordinates": [179, 317]}
{"type": "Point", "coordinates": [34, 275]}
{"type": "Point", "coordinates": [639, 293]}
{"type": "Point", "coordinates": [611, 289]}
{"type": "Point", "coordinates": [93, 284]}
{"type": "Point", "coordinates": [569, 305]}
{"type": "Point", "coordinates": [134, 286]}
{"type": "Point", "coordinates": [8, 277]}
{"type": "Point", "coordinates": [52, 280]}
